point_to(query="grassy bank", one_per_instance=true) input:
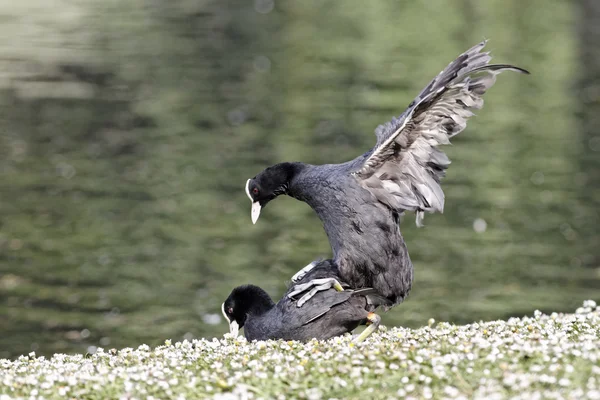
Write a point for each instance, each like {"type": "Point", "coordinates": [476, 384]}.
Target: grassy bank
{"type": "Point", "coordinates": [540, 356]}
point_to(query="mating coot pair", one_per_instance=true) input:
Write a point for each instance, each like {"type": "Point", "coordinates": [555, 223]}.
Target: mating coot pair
{"type": "Point", "coordinates": [360, 201]}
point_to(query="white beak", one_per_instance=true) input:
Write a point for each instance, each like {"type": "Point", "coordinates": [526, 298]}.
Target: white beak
{"type": "Point", "coordinates": [234, 328]}
{"type": "Point", "coordinates": [255, 204]}
{"type": "Point", "coordinates": [255, 211]}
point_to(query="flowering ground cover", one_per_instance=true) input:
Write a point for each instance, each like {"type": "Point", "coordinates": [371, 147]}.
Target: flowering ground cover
{"type": "Point", "coordinates": [553, 356]}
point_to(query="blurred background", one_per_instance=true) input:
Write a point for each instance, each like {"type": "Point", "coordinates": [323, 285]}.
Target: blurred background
{"type": "Point", "coordinates": [128, 130]}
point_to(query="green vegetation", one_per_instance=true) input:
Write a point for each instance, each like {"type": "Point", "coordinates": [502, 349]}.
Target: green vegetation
{"type": "Point", "coordinates": [544, 356]}
{"type": "Point", "coordinates": [127, 132]}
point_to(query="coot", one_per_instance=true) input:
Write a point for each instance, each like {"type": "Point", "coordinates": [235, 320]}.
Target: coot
{"type": "Point", "coordinates": [330, 313]}
{"type": "Point", "coordinates": [360, 201]}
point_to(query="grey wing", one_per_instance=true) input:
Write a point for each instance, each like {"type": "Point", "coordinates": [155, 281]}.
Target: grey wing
{"type": "Point", "coordinates": [331, 298]}
{"type": "Point", "coordinates": [405, 167]}
{"type": "Point", "coordinates": [316, 307]}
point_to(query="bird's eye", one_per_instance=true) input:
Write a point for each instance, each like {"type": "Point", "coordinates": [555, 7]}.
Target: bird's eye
{"type": "Point", "coordinates": [255, 190]}
{"type": "Point", "coordinates": [230, 310]}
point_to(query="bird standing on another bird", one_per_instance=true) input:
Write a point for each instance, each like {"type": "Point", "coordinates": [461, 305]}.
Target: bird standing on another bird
{"type": "Point", "coordinates": [360, 201]}
{"type": "Point", "coordinates": [330, 313]}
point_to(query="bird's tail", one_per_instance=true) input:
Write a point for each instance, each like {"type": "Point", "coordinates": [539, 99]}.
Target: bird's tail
{"type": "Point", "coordinates": [373, 297]}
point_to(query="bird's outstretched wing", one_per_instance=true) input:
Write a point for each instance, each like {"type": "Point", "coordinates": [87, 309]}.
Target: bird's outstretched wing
{"type": "Point", "coordinates": [405, 167]}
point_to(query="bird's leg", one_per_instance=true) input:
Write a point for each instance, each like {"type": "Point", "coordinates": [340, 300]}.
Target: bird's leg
{"type": "Point", "coordinates": [300, 274]}
{"type": "Point", "coordinates": [373, 321]}
{"type": "Point", "coordinates": [317, 285]}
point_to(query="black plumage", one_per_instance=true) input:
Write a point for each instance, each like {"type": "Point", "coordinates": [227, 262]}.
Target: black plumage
{"type": "Point", "coordinates": [359, 201]}
{"type": "Point", "coordinates": [330, 313]}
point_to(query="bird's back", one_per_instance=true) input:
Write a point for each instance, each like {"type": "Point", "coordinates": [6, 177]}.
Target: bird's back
{"type": "Point", "coordinates": [364, 234]}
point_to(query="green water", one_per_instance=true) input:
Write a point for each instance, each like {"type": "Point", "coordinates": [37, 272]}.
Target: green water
{"type": "Point", "coordinates": [128, 130]}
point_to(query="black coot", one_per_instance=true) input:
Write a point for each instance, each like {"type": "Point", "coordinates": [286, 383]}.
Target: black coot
{"type": "Point", "coordinates": [250, 307]}
{"type": "Point", "coordinates": [359, 202]}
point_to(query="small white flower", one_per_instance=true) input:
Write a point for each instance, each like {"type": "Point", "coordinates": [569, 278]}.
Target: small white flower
{"type": "Point", "coordinates": [593, 394]}
{"type": "Point", "coordinates": [569, 368]}
{"type": "Point", "coordinates": [589, 304]}
{"type": "Point", "coordinates": [564, 382]}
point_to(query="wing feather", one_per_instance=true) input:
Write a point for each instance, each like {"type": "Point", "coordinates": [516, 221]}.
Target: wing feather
{"type": "Point", "coordinates": [405, 167]}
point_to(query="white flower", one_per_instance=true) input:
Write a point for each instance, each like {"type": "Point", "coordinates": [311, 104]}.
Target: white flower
{"type": "Point", "coordinates": [564, 382]}
{"type": "Point", "coordinates": [589, 304]}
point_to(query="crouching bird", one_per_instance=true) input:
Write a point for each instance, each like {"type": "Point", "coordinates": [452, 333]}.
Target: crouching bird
{"type": "Point", "coordinates": [332, 311]}
{"type": "Point", "coordinates": [360, 201]}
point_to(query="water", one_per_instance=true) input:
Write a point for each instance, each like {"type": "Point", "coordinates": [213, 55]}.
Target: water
{"type": "Point", "coordinates": [128, 132]}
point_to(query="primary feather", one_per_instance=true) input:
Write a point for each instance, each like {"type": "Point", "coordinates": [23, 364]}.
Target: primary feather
{"type": "Point", "coordinates": [406, 166]}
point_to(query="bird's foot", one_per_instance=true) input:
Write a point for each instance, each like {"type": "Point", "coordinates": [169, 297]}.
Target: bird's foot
{"type": "Point", "coordinates": [373, 321]}
{"type": "Point", "coordinates": [300, 274]}
{"type": "Point", "coordinates": [317, 286]}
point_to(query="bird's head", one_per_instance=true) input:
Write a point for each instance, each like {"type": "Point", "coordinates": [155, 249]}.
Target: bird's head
{"type": "Point", "coordinates": [242, 301]}
{"type": "Point", "coordinates": [267, 185]}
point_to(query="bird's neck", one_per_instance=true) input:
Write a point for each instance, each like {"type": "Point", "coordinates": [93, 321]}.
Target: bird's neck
{"type": "Point", "coordinates": [261, 303]}
{"type": "Point", "coordinates": [297, 174]}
